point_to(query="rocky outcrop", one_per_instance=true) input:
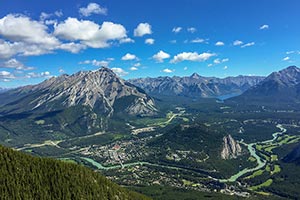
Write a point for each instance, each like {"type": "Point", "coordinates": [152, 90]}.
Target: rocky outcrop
{"type": "Point", "coordinates": [231, 149]}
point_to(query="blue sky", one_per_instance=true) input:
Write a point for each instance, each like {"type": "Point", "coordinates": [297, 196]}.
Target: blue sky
{"type": "Point", "coordinates": [40, 39]}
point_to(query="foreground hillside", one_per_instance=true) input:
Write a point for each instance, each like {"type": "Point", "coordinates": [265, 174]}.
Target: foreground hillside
{"type": "Point", "coordinates": [25, 177]}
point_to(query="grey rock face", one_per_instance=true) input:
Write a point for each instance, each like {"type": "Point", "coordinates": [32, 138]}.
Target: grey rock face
{"type": "Point", "coordinates": [231, 149]}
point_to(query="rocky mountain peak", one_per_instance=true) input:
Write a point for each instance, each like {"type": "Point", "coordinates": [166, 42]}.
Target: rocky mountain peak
{"type": "Point", "coordinates": [231, 149]}
{"type": "Point", "coordinates": [98, 89]}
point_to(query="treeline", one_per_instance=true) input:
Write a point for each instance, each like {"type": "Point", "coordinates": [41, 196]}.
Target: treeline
{"type": "Point", "coordinates": [23, 176]}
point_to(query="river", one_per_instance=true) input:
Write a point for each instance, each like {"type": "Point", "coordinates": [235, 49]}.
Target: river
{"type": "Point", "coordinates": [260, 162]}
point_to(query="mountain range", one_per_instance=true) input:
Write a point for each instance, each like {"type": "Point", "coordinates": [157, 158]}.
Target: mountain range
{"type": "Point", "coordinates": [196, 86]}
{"type": "Point", "coordinates": [282, 87]}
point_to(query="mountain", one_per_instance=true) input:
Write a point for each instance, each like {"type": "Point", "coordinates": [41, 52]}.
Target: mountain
{"type": "Point", "coordinates": [3, 89]}
{"type": "Point", "coordinates": [281, 87]}
{"type": "Point", "coordinates": [26, 177]}
{"type": "Point", "coordinates": [196, 86]}
{"type": "Point", "coordinates": [100, 90]}
{"type": "Point", "coordinates": [293, 156]}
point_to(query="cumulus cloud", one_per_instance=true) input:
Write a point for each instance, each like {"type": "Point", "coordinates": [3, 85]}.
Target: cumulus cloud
{"type": "Point", "coordinates": [19, 28]}
{"type": "Point", "coordinates": [176, 29]}
{"type": "Point", "coordinates": [133, 68]}
{"type": "Point", "coordinates": [72, 47]}
{"type": "Point", "coordinates": [238, 43]}
{"type": "Point", "coordinates": [90, 33]}
{"type": "Point", "coordinates": [119, 71]}
{"type": "Point", "coordinates": [142, 29]}
{"type": "Point", "coordinates": [168, 70]}
{"type": "Point", "coordinates": [219, 43]}
{"type": "Point", "coordinates": [198, 40]}
{"type": "Point", "coordinates": [45, 74]}
{"type": "Point", "coordinates": [149, 41]}
{"type": "Point", "coordinates": [97, 63]}
{"type": "Point", "coordinates": [218, 60]}
{"type": "Point", "coordinates": [191, 29]}
{"type": "Point", "coordinates": [264, 27]}
{"type": "Point", "coordinates": [92, 8]}
{"type": "Point", "coordinates": [129, 56]}
{"type": "Point", "coordinates": [137, 64]}
{"type": "Point", "coordinates": [225, 67]}
{"type": "Point", "coordinates": [248, 44]}
{"type": "Point", "coordinates": [126, 40]}
{"type": "Point", "coordinates": [160, 56]}
{"type": "Point", "coordinates": [192, 56]}
{"type": "Point", "coordinates": [6, 76]}
{"type": "Point", "coordinates": [15, 64]}
{"type": "Point", "coordinates": [286, 58]}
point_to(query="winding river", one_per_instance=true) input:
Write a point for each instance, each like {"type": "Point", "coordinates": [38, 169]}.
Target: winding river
{"type": "Point", "coordinates": [260, 162]}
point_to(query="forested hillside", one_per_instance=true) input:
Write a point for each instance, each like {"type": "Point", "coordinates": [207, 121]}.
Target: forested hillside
{"type": "Point", "coordinates": [26, 177]}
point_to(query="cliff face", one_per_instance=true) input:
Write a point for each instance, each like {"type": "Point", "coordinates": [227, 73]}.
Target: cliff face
{"type": "Point", "coordinates": [231, 149]}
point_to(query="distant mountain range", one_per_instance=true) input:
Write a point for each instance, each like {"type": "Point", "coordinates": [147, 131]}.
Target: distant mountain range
{"type": "Point", "coordinates": [196, 86]}
{"type": "Point", "coordinates": [281, 87]}
{"type": "Point", "coordinates": [101, 90]}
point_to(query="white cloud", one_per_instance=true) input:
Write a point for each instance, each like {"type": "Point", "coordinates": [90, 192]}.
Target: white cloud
{"type": "Point", "coordinates": [219, 43]}
{"type": "Point", "coordinates": [173, 41]}
{"type": "Point", "coordinates": [137, 64]}
{"type": "Point", "coordinates": [149, 41]}
{"type": "Point", "coordinates": [97, 63]}
{"type": "Point", "coordinates": [176, 29]}
{"type": "Point", "coordinates": [290, 52]}
{"type": "Point", "coordinates": [119, 71]}
{"type": "Point", "coordinates": [129, 56]}
{"type": "Point", "coordinates": [72, 47]}
{"type": "Point", "coordinates": [248, 44]}
{"type": "Point", "coordinates": [168, 70]}
{"type": "Point", "coordinates": [160, 56]}
{"type": "Point", "coordinates": [286, 58]}
{"type": "Point", "coordinates": [263, 27]}
{"type": "Point", "coordinates": [19, 28]}
{"type": "Point", "coordinates": [219, 61]}
{"type": "Point", "coordinates": [198, 40]}
{"type": "Point", "coordinates": [210, 65]}
{"type": "Point", "coordinates": [192, 56]}
{"type": "Point", "coordinates": [45, 74]}
{"type": "Point", "coordinates": [133, 68]}
{"type": "Point", "coordinates": [126, 40]}
{"type": "Point", "coordinates": [15, 64]}
{"type": "Point", "coordinates": [142, 29]}
{"type": "Point", "coordinates": [225, 67]}
{"type": "Point", "coordinates": [90, 33]}
{"type": "Point", "coordinates": [225, 60]}
{"type": "Point", "coordinates": [191, 29]}
{"type": "Point", "coordinates": [6, 76]}
{"type": "Point", "coordinates": [58, 13]}
{"type": "Point", "coordinates": [185, 68]}
{"type": "Point", "coordinates": [26, 37]}
{"type": "Point", "coordinates": [238, 43]}
{"type": "Point", "coordinates": [92, 8]}
{"type": "Point", "coordinates": [61, 71]}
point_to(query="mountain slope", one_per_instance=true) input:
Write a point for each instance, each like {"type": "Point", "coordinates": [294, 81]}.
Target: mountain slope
{"type": "Point", "coordinates": [196, 86]}
{"type": "Point", "coordinates": [99, 90]}
{"type": "Point", "coordinates": [293, 156]}
{"type": "Point", "coordinates": [26, 177]}
{"type": "Point", "coordinates": [281, 87]}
